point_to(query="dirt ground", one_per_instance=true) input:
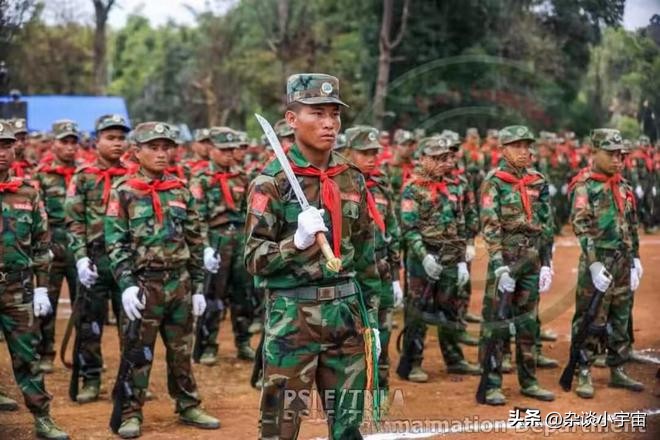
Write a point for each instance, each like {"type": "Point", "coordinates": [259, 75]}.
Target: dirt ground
{"type": "Point", "coordinates": [227, 394]}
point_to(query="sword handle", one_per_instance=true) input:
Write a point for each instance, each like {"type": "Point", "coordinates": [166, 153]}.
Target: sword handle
{"type": "Point", "coordinates": [334, 263]}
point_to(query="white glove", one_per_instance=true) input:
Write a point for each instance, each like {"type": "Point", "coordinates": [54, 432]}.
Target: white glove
{"type": "Point", "coordinates": [634, 279]}
{"type": "Point", "coordinates": [310, 221]}
{"type": "Point", "coordinates": [211, 260]}
{"type": "Point", "coordinates": [552, 190]}
{"type": "Point", "coordinates": [639, 191]}
{"type": "Point", "coordinates": [545, 279]}
{"type": "Point", "coordinates": [86, 272]}
{"type": "Point", "coordinates": [198, 304]}
{"type": "Point", "coordinates": [432, 267]}
{"type": "Point", "coordinates": [564, 189]}
{"type": "Point", "coordinates": [40, 302]}
{"type": "Point", "coordinates": [654, 191]}
{"type": "Point", "coordinates": [376, 335]}
{"type": "Point", "coordinates": [638, 265]}
{"type": "Point", "coordinates": [132, 305]}
{"type": "Point", "coordinates": [463, 274]}
{"type": "Point", "coordinates": [600, 277]}
{"type": "Point", "coordinates": [470, 252]}
{"type": "Point", "coordinates": [506, 283]}
{"type": "Point", "coordinates": [398, 294]}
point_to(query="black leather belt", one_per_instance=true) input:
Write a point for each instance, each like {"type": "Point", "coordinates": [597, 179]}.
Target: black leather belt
{"type": "Point", "coordinates": [318, 293]}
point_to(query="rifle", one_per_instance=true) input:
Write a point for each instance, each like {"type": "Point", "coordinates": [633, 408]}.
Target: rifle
{"type": "Point", "coordinates": [213, 304]}
{"type": "Point", "coordinates": [134, 355]}
{"type": "Point", "coordinates": [75, 321]}
{"type": "Point", "coordinates": [258, 368]}
{"type": "Point", "coordinates": [586, 329]}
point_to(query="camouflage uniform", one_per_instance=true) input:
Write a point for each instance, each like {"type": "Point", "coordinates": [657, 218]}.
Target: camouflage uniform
{"type": "Point", "coordinates": [399, 172]}
{"type": "Point", "coordinates": [53, 179]}
{"type": "Point", "coordinates": [22, 165]}
{"type": "Point", "coordinates": [85, 206]}
{"type": "Point", "coordinates": [220, 199]}
{"type": "Point", "coordinates": [154, 241]}
{"type": "Point", "coordinates": [314, 325]}
{"type": "Point", "coordinates": [517, 228]}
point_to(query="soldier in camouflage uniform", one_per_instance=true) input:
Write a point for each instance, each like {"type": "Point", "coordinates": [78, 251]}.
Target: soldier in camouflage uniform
{"type": "Point", "coordinates": [22, 166]}
{"type": "Point", "coordinates": [219, 193]}
{"type": "Point", "coordinates": [53, 178]}
{"type": "Point", "coordinates": [400, 168]}
{"type": "Point", "coordinates": [434, 228]}
{"type": "Point", "coordinates": [472, 159]}
{"type": "Point", "coordinates": [316, 319]}
{"type": "Point", "coordinates": [605, 223]}
{"type": "Point", "coordinates": [200, 148]}
{"type": "Point", "coordinates": [155, 247]}
{"type": "Point", "coordinates": [24, 255]}
{"type": "Point", "coordinates": [86, 202]}
{"type": "Point", "coordinates": [516, 223]}
{"type": "Point", "coordinates": [363, 147]}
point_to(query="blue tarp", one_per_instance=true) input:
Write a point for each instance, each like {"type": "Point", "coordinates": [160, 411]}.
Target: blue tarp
{"type": "Point", "coordinates": [43, 110]}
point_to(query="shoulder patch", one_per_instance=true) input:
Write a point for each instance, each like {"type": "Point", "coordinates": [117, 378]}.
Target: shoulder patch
{"type": "Point", "coordinates": [259, 203]}
{"type": "Point", "coordinates": [113, 208]}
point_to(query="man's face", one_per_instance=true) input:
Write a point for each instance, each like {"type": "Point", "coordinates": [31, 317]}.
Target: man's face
{"type": "Point", "coordinates": [608, 162]}
{"type": "Point", "coordinates": [316, 126]}
{"type": "Point", "coordinates": [111, 143]}
{"type": "Point", "coordinates": [222, 157]}
{"type": "Point", "coordinates": [518, 153]}
{"type": "Point", "coordinates": [365, 160]}
{"type": "Point", "coordinates": [201, 148]}
{"type": "Point", "coordinates": [65, 149]}
{"type": "Point", "coordinates": [440, 165]}
{"type": "Point", "coordinates": [153, 155]}
{"type": "Point", "coordinates": [384, 139]}
{"type": "Point", "coordinates": [239, 154]}
{"type": "Point", "coordinates": [172, 156]}
{"type": "Point", "coordinates": [405, 151]}
{"type": "Point", "coordinates": [6, 154]}
{"type": "Point", "coordinates": [21, 143]}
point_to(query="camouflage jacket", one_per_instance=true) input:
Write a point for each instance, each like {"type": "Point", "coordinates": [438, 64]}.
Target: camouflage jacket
{"type": "Point", "coordinates": [433, 218]}
{"type": "Point", "coordinates": [597, 222]}
{"type": "Point", "coordinates": [24, 230]}
{"type": "Point", "coordinates": [53, 187]}
{"type": "Point", "coordinates": [272, 220]}
{"type": "Point", "coordinates": [388, 242]}
{"type": "Point", "coordinates": [136, 240]}
{"type": "Point", "coordinates": [85, 205]}
{"type": "Point", "coordinates": [214, 210]}
{"type": "Point", "coordinates": [504, 220]}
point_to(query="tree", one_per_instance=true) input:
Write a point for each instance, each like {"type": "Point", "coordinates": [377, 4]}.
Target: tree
{"type": "Point", "coordinates": [101, 12]}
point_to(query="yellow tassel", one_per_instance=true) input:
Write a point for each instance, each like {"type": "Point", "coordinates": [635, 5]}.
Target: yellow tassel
{"type": "Point", "coordinates": [369, 358]}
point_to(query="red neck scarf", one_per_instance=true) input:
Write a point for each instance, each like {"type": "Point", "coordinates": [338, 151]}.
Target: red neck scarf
{"type": "Point", "coordinates": [153, 188]}
{"type": "Point", "coordinates": [199, 164]}
{"type": "Point", "coordinates": [106, 175]}
{"type": "Point", "coordinates": [11, 186]}
{"type": "Point", "coordinates": [407, 172]}
{"type": "Point", "coordinates": [223, 180]}
{"type": "Point", "coordinates": [373, 209]}
{"type": "Point", "coordinates": [612, 183]}
{"type": "Point", "coordinates": [435, 187]}
{"type": "Point", "coordinates": [62, 170]}
{"type": "Point", "coordinates": [176, 170]}
{"type": "Point", "coordinates": [521, 186]}
{"type": "Point", "coordinates": [18, 166]}
{"type": "Point", "coordinates": [494, 158]}
{"type": "Point", "coordinates": [330, 196]}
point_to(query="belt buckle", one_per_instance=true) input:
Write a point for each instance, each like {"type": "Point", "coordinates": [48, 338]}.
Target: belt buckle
{"type": "Point", "coordinates": [325, 293]}
{"type": "Point", "coordinates": [3, 277]}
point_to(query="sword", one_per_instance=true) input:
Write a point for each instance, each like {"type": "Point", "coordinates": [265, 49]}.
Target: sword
{"type": "Point", "coordinates": [333, 264]}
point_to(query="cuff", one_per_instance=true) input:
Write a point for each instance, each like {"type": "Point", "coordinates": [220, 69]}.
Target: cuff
{"type": "Point", "coordinates": [42, 278]}
{"type": "Point", "coordinates": [127, 280]}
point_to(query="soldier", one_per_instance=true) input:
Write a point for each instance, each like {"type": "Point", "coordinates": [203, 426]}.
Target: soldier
{"type": "Point", "coordinates": [22, 166]}
{"type": "Point", "coordinates": [155, 248]}
{"type": "Point", "coordinates": [53, 178]}
{"type": "Point", "coordinates": [24, 254]}
{"type": "Point", "coordinates": [200, 148]}
{"type": "Point", "coordinates": [363, 148]}
{"type": "Point", "coordinates": [219, 193]}
{"type": "Point", "coordinates": [434, 229]}
{"type": "Point", "coordinates": [472, 159]}
{"type": "Point", "coordinates": [517, 228]}
{"type": "Point", "coordinates": [604, 221]}
{"type": "Point", "coordinates": [85, 206]}
{"type": "Point", "coordinates": [284, 134]}
{"type": "Point", "coordinates": [317, 319]}
{"type": "Point", "coordinates": [400, 167]}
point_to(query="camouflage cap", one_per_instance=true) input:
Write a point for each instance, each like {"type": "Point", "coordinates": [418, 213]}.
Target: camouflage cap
{"type": "Point", "coordinates": [515, 133]}
{"type": "Point", "coordinates": [452, 138]}
{"type": "Point", "coordinates": [243, 140]}
{"type": "Point", "coordinates": [202, 134]}
{"type": "Point", "coordinates": [492, 133]}
{"type": "Point", "coordinates": [111, 121]}
{"type": "Point", "coordinates": [7, 130]}
{"type": "Point", "coordinates": [628, 146]}
{"type": "Point", "coordinates": [283, 129]}
{"type": "Point", "coordinates": [643, 140]}
{"type": "Point", "coordinates": [149, 131]}
{"type": "Point", "coordinates": [434, 146]}
{"type": "Point", "coordinates": [65, 127]}
{"type": "Point", "coordinates": [340, 142]}
{"type": "Point", "coordinates": [313, 88]}
{"type": "Point", "coordinates": [176, 132]}
{"type": "Point", "coordinates": [19, 125]}
{"type": "Point", "coordinates": [402, 137]}
{"type": "Point", "coordinates": [607, 139]}
{"type": "Point", "coordinates": [362, 137]}
{"type": "Point", "coordinates": [224, 138]}
{"type": "Point", "coordinates": [472, 131]}
{"type": "Point", "coordinates": [419, 133]}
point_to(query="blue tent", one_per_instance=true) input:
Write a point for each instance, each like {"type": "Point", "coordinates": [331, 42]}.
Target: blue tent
{"type": "Point", "coordinates": [42, 111]}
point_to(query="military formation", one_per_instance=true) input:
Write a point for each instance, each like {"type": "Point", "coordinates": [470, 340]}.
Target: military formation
{"type": "Point", "coordinates": [313, 237]}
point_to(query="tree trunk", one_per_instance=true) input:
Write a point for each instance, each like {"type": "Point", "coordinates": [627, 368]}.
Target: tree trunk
{"type": "Point", "coordinates": [101, 11]}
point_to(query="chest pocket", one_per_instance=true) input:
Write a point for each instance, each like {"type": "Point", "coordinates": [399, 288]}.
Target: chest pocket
{"type": "Point", "coordinates": [20, 221]}
{"type": "Point", "coordinates": [350, 209]}
{"type": "Point", "coordinates": [510, 205]}
{"type": "Point", "coordinates": [177, 215]}
{"type": "Point", "coordinates": [141, 218]}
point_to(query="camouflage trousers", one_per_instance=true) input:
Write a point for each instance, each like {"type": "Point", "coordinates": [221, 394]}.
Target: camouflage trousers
{"type": "Point", "coordinates": [442, 297]}
{"type": "Point", "coordinates": [168, 311]}
{"type": "Point", "coordinates": [234, 287]}
{"type": "Point", "coordinates": [385, 318]}
{"type": "Point", "coordinates": [614, 311]}
{"type": "Point", "coordinates": [523, 316]}
{"type": "Point", "coordinates": [307, 343]}
{"type": "Point", "coordinates": [93, 310]}
{"type": "Point", "coordinates": [21, 330]}
{"type": "Point", "coordinates": [63, 266]}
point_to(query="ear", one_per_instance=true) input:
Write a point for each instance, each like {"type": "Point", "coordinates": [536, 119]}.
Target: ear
{"type": "Point", "coordinates": [291, 118]}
